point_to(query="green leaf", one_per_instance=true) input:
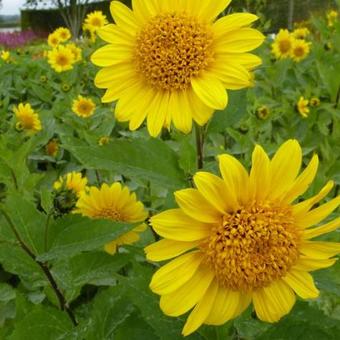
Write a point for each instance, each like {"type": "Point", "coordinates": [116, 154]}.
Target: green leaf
{"type": "Point", "coordinates": [187, 156]}
{"type": "Point", "coordinates": [42, 323]}
{"type": "Point", "coordinates": [74, 234]}
{"type": "Point", "coordinates": [151, 159]}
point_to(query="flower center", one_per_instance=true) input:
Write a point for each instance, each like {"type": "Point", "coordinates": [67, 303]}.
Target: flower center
{"type": "Point", "coordinates": [299, 52]}
{"type": "Point", "coordinates": [96, 22]}
{"type": "Point", "coordinates": [253, 247]}
{"type": "Point", "coordinates": [109, 214]}
{"type": "Point", "coordinates": [62, 60]}
{"type": "Point", "coordinates": [172, 49]}
{"type": "Point", "coordinates": [285, 46]}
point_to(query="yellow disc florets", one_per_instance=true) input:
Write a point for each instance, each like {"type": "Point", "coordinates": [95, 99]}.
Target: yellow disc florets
{"type": "Point", "coordinates": [109, 214]}
{"type": "Point", "coordinates": [172, 49]}
{"type": "Point", "coordinates": [253, 247]}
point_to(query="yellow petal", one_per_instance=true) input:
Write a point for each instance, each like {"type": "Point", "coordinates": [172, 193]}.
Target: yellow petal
{"type": "Point", "coordinates": [284, 167]}
{"type": "Point", "coordinates": [216, 192]}
{"type": "Point", "coordinates": [320, 249]}
{"type": "Point", "coordinates": [274, 301]}
{"type": "Point", "coordinates": [181, 111]}
{"type": "Point", "coordinates": [210, 90]}
{"type": "Point", "coordinates": [115, 35]}
{"type": "Point", "coordinates": [167, 249]}
{"type": "Point", "coordinates": [109, 55]}
{"type": "Point", "coordinates": [233, 77]}
{"type": "Point", "coordinates": [176, 225]}
{"type": "Point", "coordinates": [158, 111]}
{"type": "Point", "coordinates": [200, 112]}
{"type": "Point", "coordinates": [175, 273]}
{"type": "Point", "coordinates": [304, 180]}
{"type": "Point", "coordinates": [201, 310]}
{"type": "Point", "coordinates": [208, 10]}
{"type": "Point", "coordinates": [184, 298]}
{"type": "Point", "coordinates": [259, 178]}
{"type": "Point", "coordinates": [192, 202]}
{"type": "Point", "coordinates": [324, 229]}
{"type": "Point", "coordinates": [235, 176]}
{"type": "Point", "coordinates": [248, 60]}
{"type": "Point", "coordinates": [145, 9]}
{"type": "Point", "coordinates": [302, 283]}
{"type": "Point", "coordinates": [309, 264]}
{"type": "Point", "coordinates": [123, 17]}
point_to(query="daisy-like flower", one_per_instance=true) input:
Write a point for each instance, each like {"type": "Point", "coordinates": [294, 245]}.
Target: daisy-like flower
{"type": "Point", "coordinates": [52, 147]}
{"type": "Point", "coordinates": [242, 239]}
{"type": "Point", "coordinates": [282, 45]}
{"type": "Point", "coordinates": [63, 34]}
{"type": "Point", "coordinates": [76, 51]}
{"type": "Point", "coordinates": [73, 181]}
{"type": "Point", "coordinates": [61, 58]}
{"type": "Point", "coordinates": [5, 56]}
{"type": "Point", "coordinates": [301, 33]}
{"type": "Point", "coordinates": [53, 39]}
{"type": "Point", "coordinates": [300, 49]}
{"type": "Point", "coordinates": [303, 107]}
{"type": "Point", "coordinates": [27, 119]}
{"type": "Point", "coordinates": [83, 107]}
{"type": "Point", "coordinates": [116, 203]}
{"type": "Point", "coordinates": [172, 61]}
{"type": "Point", "coordinates": [95, 20]}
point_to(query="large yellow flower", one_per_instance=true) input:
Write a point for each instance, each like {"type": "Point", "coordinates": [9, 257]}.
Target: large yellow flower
{"type": "Point", "coordinates": [282, 45]}
{"type": "Point", "coordinates": [63, 34]}
{"type": "Point", "coordinates": [27, 119]}
{"type": "Point", "coordinates": [61, 58]}
{"type": "Point", "coordinates": [116, 203]}
{"type": "Point", "coordinates": [300, 49]}
{"type": "Point", "coordinates": [302, 107]}
{"type": "Point", "coordinates": [83, 107]}
{"type": "Point", "coordinates": [170, 61]}
{"type": "Point", "coordinates": [244, 240]}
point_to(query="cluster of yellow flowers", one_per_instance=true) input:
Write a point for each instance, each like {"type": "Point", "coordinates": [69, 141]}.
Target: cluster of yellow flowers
{"type": "Point", "coordinates": [291, 44]}
{"type": "Point", "coordinates": [303, 105]}
{"type": "Point", "coordinates": [62, 57]}
{"type": "Point", "coordinates": [93, 22]}
{"type": "Point", "coordinates": [27, 119]}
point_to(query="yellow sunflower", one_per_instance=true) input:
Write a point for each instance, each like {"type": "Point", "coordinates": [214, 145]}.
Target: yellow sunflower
{"type": "Point", "coordinates": [5, 56]}
{"type": "Point", "coordinates": [83, 107]}
{"type": "Point", "coordinates": [61, 58]}
{"type": "Point", "coordinates": [172, 61]}
{"type": "Point", "coordinates": [27, 119]}
{"type": "Point", "coordinates": [301, 33]}
{"type": "Point", "coordinates": [242, 239]}
{"type": "Point", "coordinates": [116, 203]}
{"type": "Point", "coordinates": [53, 39]}
{"type": "Point", "coordinates": [73, 181]}
{"type": "Point", "coordinates": [302, 107]}
{"type": "Point", "coordinates": [63, 34]}
{"type": "Point", "coordinates": [95, 20]}
{"type": "Point", "coordinates": [300, 49]}
{"type": "Point", "coordinates": [76, 51]}
{"type": "Point", "coordinates": [282, 45]}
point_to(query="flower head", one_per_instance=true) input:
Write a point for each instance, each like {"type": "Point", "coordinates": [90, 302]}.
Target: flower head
{"type": "Point", "coordinates": [116, 203]}
{"type": "Point", "coordinates": [332, 17]}
{"type": "Point", "coordinates": [76, 51]}
{"type": "Point", "coordinates": [302, 107]}
{"type": "Point", "coordinates": [241, 239]}
{"type": "Point", "coordinates": [5, 56]}
{"type": "Point", "coordinates": [314, 101]}
{"type": "Point", "coordinates": [61, 58]}
{"type": "Point", "coordinates": [263, 112]}
{"type": "Point", "coordinates": [172, 62]}
{"type": "Point", "coordinates": [300, 49]}
{"type": "Point", "coordinates": [63, 34]}
{"type": "Point", "coordinates": [53, 39]}
{"type": "Point", "coordinates": [73, 181]}
{"type": "Point", "coordinates": [282, 45]}
{"type": "Point", "coordinates": [83, 107]}
{"type": "Point", "coordinates": [104, 140]}
{"type": "Point", "coordinates": [52, 147]}
{"type": "Point", "coordinates": [27, 119]}
{"type": "Point", "coordinates": [301, 33]}
{"type": "Point", "coordinates": [95, 20]}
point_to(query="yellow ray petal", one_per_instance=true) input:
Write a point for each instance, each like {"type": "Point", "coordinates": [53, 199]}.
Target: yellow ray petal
{"type": "Point", "coordinates": [234, 77]}
{"type": "Point", "coordinates": [216, 191]}
{"type": "Point", "coordinates": [274, 301]}
{"type": "Point", "coordinates": [309, 264]}
{"type": "Point", "coordinates": [176, 225]}
{"type": "Point", "coordinates": [210, 90]}
{"type": "Point", "coordinates": [184, 298]}
{"type": "Point", "coordinates": [167, 249]}
{"type": "Point", "coordinates": [175, 273]}
{"type": "Point", "coordinates": [115, 35]}
{"type": "Point", "coordinates": [247, 60]}
{"type": "Point", "coordinates": [324, 229]}
{"type": "Point", "coordinates": [320, 249]}
{"type": "Point", "coordinates": [192, 202]}
{"type": "Point", "coordinates": [181, 111]}
{"type": "Point", "coordinates": [200, 112]}
{"type": "Point", "coordinates": [235, 176]}
{"type": "Point", "coordinates": [302, 283]}
{"type": "Point", "coordinates": [284, 167]}
{"type": "Point", "coordinates": [201, 310]}
{"type": "Point", "coordinates": [109, 55]}
{"type": "Point", "coordinates": [123, 17]}
{"type": "Point", "coordinates": [158, 111]}
{"type": "Point", "coordinates": [208, 10]}
{"type": "Point", "coordinates": [145, 9]}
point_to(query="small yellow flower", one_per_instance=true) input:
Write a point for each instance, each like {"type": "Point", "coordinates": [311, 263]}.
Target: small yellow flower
{"type": "Point", "coordinates": [332, 17]}
{"type": "Point", "coordinates": [301, 33]}
{"type": "Point", "coordinates": [300, 49]}
{"type": "Point", "coordinates": [52, 147]}
{"type": "Point", "coordinates": [104, 140]}
{"type": "Point", "coordinates": [83, 107]}
{"type": "Point", "coordinates": [243, 238]}
{"type": "Point", "coordinates": [61, 59]}
{"type": "Point", "coordinates": [27, 119]}
{"type": "Point", "coordinates": [95, 20]}
{"type": "Point", "coordinates": [63, 34]}
{"type": "Point", "coordinates": [302, 107]}
{"type": "Point", "coordinates": [315, 101]}
{"type": "Point", "coordinates": [263, 112]}
{"type": "Point", "coordinates": [53, 39]}
{"type": "Point", "coordinates": [5, 56]}
{"type": "Point", "coordinates": [76, 51]}
{"type": "Point", "coordinates": [116, 203]}
{"type": "Point", "coordinates": [73, 181]}
{"type": "Point", "coordinates": [282, 45]}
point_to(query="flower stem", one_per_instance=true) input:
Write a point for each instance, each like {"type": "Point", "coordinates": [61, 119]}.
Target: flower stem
{"type": "Point", "coordinates": [199, 145]}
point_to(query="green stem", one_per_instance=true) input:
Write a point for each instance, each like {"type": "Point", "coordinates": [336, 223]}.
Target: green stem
{"type": "Point", "coordinates": [46, 231]}
{"type": "Point", "coordinates": [199, 145]}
